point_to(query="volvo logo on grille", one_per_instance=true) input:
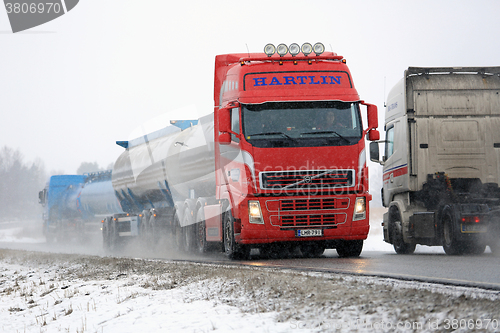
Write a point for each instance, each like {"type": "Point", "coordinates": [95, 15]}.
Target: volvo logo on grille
{"type": "Point", "coordinates": [307, 179]}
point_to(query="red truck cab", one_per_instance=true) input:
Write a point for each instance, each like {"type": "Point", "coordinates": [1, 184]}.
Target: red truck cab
{"type": "Point", "coordinates": [290, 152]}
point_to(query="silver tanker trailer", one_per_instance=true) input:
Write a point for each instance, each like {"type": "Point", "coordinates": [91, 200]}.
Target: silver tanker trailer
{"type": "Point", "coordinates": [158, 175]}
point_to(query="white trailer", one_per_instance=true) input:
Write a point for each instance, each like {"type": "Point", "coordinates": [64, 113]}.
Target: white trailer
{"type": "Point", "coordinates": [441, 164]}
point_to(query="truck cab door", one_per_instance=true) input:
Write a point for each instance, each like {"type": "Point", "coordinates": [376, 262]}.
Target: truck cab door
{"type": "Point", "coordinates": [395, 164]}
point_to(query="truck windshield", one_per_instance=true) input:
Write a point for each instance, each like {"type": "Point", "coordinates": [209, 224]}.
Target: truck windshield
{"type": "Point", "coordinates": [302, 124]}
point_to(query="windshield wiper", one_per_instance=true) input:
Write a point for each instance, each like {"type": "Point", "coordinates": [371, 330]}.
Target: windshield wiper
{"type": "Point", "coordinates": [274, 133]}
{"type": "Point", "coordinates": [327, 132]}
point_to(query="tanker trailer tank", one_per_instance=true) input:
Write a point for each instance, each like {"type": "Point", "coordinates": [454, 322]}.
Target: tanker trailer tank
{"type": "Point", "coordinates": [155, 173]}
{"type": "Point", "coordinates": [97, 200]}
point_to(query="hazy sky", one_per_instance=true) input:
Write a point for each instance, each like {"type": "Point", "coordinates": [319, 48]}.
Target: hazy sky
{"type": "Point", "coordinates": [72, 87]}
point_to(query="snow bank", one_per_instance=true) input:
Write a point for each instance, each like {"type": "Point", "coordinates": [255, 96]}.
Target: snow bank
{"type": "Point", "coordinates": [42, 292]}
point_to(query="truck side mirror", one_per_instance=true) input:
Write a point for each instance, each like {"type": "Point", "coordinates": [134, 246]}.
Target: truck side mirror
{"type": "Point", "coordinates": [41, 197]}
{"type": "Point", "coordinates": [373, 135]}
{"type": "Point", "coordinates": [374, 152]}
{"type": "Point", "coordinates": [224, 120]}
{"type": "Point", "coordinates": [224, 126]}
{"type": "Point", "coordinates": [225, 138]}
{"type": "Point", "coordinates": [372, 116]}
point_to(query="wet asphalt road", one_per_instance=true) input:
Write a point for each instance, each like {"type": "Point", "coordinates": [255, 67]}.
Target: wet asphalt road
{"type": "Point", "coordinates": [472, 271]}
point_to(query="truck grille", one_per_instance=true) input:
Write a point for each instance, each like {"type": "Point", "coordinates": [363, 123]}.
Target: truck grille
{"type": "Point", "coordinates": [314, 204]}
{"type": "Point", "coordinates": [308, 212]}
{"type": "Point", "coordinates": [306, 179]}
{"type": "Point", "coordinates": [308, 221]}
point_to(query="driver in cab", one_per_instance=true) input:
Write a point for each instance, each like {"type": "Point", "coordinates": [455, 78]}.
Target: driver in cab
{"type": "Point", "coordinates": [329, 122]}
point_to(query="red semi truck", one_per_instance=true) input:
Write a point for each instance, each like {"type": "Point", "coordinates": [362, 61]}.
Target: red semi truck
{"type": "Point", "coordinates": [279, 165]}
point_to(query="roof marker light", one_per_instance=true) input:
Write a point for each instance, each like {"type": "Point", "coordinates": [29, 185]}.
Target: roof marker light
{"type": "Point", "coordinates": [282, 49]}
{"type": "Point", "coordinates": [294, 49]}
{"type": "Point", "coordinates": [306, 49]}
{"type": "Point", "coordinates": [269, 50]}
{"type": "Point", "coordinates": [319, 48]}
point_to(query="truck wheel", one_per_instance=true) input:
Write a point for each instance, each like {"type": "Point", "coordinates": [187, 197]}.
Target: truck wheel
{"type": "Point", "coordinates": [200, 232]}
{"type": "Point", "coordinates": [154, 230]}
{"type": "Point", "coordinates": [113, 238]}
{"type": "Point", "coordinates": [231, 249]}
{"type": "Point", "coordinates": [144, 230]}
{"type": "Point", "coordinates": [352, 248]}
{"type": "Point", "coordinates": [179, 235]}
{"type": "Point", "coordinates": [397, 238]}
{"type": "Point", "coordinates": [188, 233]}
{"type": "Point", "coordinates": [450, 243]}
{"type": "Point", "coordinates": [311, 250]}
{"type": "Point", "coordinates": [105, 234]}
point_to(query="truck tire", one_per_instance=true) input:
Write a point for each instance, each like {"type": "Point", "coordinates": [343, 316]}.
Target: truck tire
{"type": "Point", "coordinates": [188, 232]}
{"type": "Point", "coordinates": [231, 249]}
{"type": "Point", "coordinates": [178, 237]}
{"type": "Point", "coordinates": [144, 235]}
{"type": "Point", "coordinates": [451, 245]}
{"type": "Point", "coordinates": [105, 234]}
{"type": "Point", "coordinates": [201, 239]}
{"type": "Point", "coordinates": [352, 248]}
{"type": "Point", "coordinates": [396, 232]}
{"type": "Point", "coordinates": [113, 240]}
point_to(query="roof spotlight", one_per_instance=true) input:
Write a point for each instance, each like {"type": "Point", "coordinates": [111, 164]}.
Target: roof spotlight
{"type": "Point", "coordinates": [282, 49]}
{"type": "Point", "coordinates": [269, 50]}
{"type": "Point", "coordinates": [306, 49]}
{"type": "Point", "coordinates": [318, 48]}
{"type": "Point", "coordinates": [294, 49]}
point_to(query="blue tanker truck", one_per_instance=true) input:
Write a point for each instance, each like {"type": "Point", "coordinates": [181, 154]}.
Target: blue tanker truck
{"type": "Point", "coordinates": [74, 205]}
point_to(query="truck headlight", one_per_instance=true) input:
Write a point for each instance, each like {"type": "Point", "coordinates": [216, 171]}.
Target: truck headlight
{"type": "Point", "coordinates": [254, 212]}
{"type": "Point", "coordinates": [359, 209]}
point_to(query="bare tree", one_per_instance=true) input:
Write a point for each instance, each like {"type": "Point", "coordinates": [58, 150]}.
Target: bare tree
{"type": "Point", "coordinates": [19, 185]}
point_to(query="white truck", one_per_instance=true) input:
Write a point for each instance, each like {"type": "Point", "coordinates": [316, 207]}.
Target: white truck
{"type": "Point", "coordinates": [441, 165]}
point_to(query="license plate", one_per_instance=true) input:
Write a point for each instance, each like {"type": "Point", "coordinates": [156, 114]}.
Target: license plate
{"type": "Point", "coordinates": [309, 233]}
{"type": "Point", "coordinates": [470, 228]}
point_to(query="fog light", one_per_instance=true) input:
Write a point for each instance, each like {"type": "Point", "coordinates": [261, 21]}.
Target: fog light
{"type": "Point", "coordinates": [255, 213]}
{"type": "Point", "coordinates": [306, 49]}
{"type": "Point", "coordinates": [359, 209]}
{"type": "Point", "coordinates": [282, 49]}
{"type": "Point", "coordinates": [269, 50]}
{"type": "Point", "coordinates": [294, 49]}
{"type": "Point", "coordinates": [318, 48]}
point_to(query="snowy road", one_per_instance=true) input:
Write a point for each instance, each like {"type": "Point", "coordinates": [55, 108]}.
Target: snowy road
{"type": "Point", "coordinates": [50, 292]}
{"type": "Point", "coordinates": [428, 264]}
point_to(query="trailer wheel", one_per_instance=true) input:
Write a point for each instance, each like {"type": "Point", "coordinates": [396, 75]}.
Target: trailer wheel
{"type": "Point", "coordinates": [231, 249]}
{"type": "Point", "coordinates": [144, 230]}
{"type": "Point", "coordinates": [105, 234]}
{"type": "Point", "coordinates": [396, 230]}
{"type": "Point", "coordinates": [188, 232]}
{"type": "Point", "coordinates": [178, 236]}
{"type": "Point", "coordinates": [201, 239]}
{"type": "Point", "coordinates": [352, 248]}
{"type": "Point", "coordinates": [112, 239]}
{"type": "Point", "coordinates": [450, 243]}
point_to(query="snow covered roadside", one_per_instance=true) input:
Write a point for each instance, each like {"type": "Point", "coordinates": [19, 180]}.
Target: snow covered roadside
{"type": "Point", "coordinates": [42, 292]}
